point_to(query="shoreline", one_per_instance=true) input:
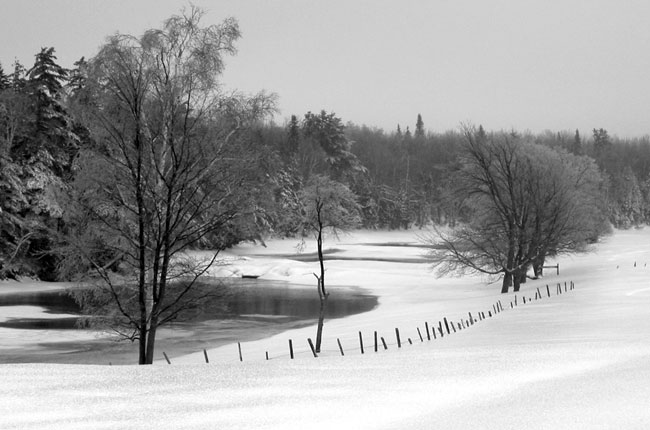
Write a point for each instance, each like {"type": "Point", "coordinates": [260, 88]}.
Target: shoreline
{"type": "Point", "coordinates": [86, 346]}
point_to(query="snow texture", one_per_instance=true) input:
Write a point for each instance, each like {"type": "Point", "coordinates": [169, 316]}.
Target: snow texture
{"type": "Point", "coordinates": [579, 360]}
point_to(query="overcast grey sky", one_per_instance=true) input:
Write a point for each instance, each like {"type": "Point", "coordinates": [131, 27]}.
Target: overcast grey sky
{"type": "Point", "coordinates": [523, 64]}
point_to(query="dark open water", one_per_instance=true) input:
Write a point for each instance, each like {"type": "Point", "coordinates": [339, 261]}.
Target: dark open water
{"type": "Point", "coordinates": [242, 309]}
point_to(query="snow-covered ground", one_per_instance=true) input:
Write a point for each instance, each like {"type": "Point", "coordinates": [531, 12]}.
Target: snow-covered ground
{"type": "Point", "coordinates": [576, 360]}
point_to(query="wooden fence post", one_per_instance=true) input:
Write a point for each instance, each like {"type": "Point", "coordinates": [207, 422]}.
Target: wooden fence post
{"type": "Point", "coordinates": [548, 291]}
{"type": "Point", "coordinates": [205, 353]}
{"type": "Point", "coordinates": [167, 358]}
{"type": "Point", "coordinates": [361, 342]}
{"type": "Point", "coordinates": [291, 348]}
{"type": "Point", "coordinates": [340, 347]}
{"type": "Point", "coordinates": [399, 342]}
{"type": "Point", "coordinates": [311, 345]}
{"type": "Point", "coordinates": [384, 343]}
{"type": "Point", "coordinates": [426, 326]}
{"type": "Point", "coordinates": [446, 325]}
{"type": "Point", "coordinates": [267, 356]}
{"type": "Point", "coordinates": [239, 348]}
{"type": "Point", "coordinates": [420, 334]}
{"type": "Point", "coordinates": [375, 340]}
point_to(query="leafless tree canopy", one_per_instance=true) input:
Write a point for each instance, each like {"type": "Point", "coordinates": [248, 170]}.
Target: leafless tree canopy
{"type": "Point", "coordinates": [526, 202]}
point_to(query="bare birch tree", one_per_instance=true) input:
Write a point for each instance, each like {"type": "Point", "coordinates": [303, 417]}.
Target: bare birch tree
{"type": "Point", "coordinates": [167, 167]}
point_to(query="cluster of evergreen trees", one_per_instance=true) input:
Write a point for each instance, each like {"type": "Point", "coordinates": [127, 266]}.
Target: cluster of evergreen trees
{"type": "Point", "coordinates": [401, 178]}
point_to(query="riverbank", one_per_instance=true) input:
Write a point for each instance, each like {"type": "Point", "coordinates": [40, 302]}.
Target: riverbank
{"type": "Point", "coordinates": [575, 360]}
{"type": "Point", "coordinates": [37, 320]}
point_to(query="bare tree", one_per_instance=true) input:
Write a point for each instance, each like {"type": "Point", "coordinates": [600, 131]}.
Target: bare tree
{"type": "Point", "coordinates": [527, 202]}
{"type": "Point", "coordinates": [328, 207]}
{"type": "Point", "coordinates": [167, 168]}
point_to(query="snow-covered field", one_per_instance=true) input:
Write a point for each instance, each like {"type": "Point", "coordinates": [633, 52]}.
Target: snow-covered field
{"type": "Point", "coordinates": [576, 360]}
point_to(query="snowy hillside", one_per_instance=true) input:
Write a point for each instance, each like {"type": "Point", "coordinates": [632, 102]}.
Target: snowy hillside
{"type": "Point", "coordinates": [576, 360]}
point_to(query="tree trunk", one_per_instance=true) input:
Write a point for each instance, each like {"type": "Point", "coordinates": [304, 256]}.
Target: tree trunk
{"type": "Point", "coordinates": [151, 341]}
{"type": "Point", "coordinates": [523, 274]}
{"type": "Point", "coordinates": [516, 279]}
{"type": "Point", "coordinates": [322, 293]}
{"type": "Point", "coordinates": [507, 282]}
{"type": "Point", "coordinates": [538, 265]}
{"type": "Point", "coordinates": [321, 320]}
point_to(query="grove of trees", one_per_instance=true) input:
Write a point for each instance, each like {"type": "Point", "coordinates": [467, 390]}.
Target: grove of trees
{"type": "Point", "coordinates": [116, 167]}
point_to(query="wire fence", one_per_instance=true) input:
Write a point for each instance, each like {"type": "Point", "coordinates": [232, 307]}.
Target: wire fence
{"type": "Point", "coordinates": [376, 342]}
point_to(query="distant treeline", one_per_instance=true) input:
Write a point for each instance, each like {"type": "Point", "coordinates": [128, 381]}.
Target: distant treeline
{"type": "Point", "coordinates": [401, 178]}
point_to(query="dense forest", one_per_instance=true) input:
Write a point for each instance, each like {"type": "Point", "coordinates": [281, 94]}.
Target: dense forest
{"type": "Point", "coordinates": [51, 155]}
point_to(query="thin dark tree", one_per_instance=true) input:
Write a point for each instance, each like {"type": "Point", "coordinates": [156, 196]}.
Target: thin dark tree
{"type": "Point", "coordinates": [328, 208]}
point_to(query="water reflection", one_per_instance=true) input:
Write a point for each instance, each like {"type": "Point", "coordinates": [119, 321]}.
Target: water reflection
{"type": "Point", "coordinates": [233, 299]}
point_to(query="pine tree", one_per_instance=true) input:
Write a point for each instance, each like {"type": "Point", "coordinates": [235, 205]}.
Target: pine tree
{"type": "Point", "coordinates": [5, 81]}
{"type": "Point", "coordinates": [18, 76]}
{"type": "Point", "coordinates": [576, 148]}
{"type": "Point", "coordinates": [46, 75]}
{"type": "Point", "coordinates": [77, 76]}
{"type": "Point", "coordinates": [419, 128]}
{"type": "Point", "coordinates": [293, 136]}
